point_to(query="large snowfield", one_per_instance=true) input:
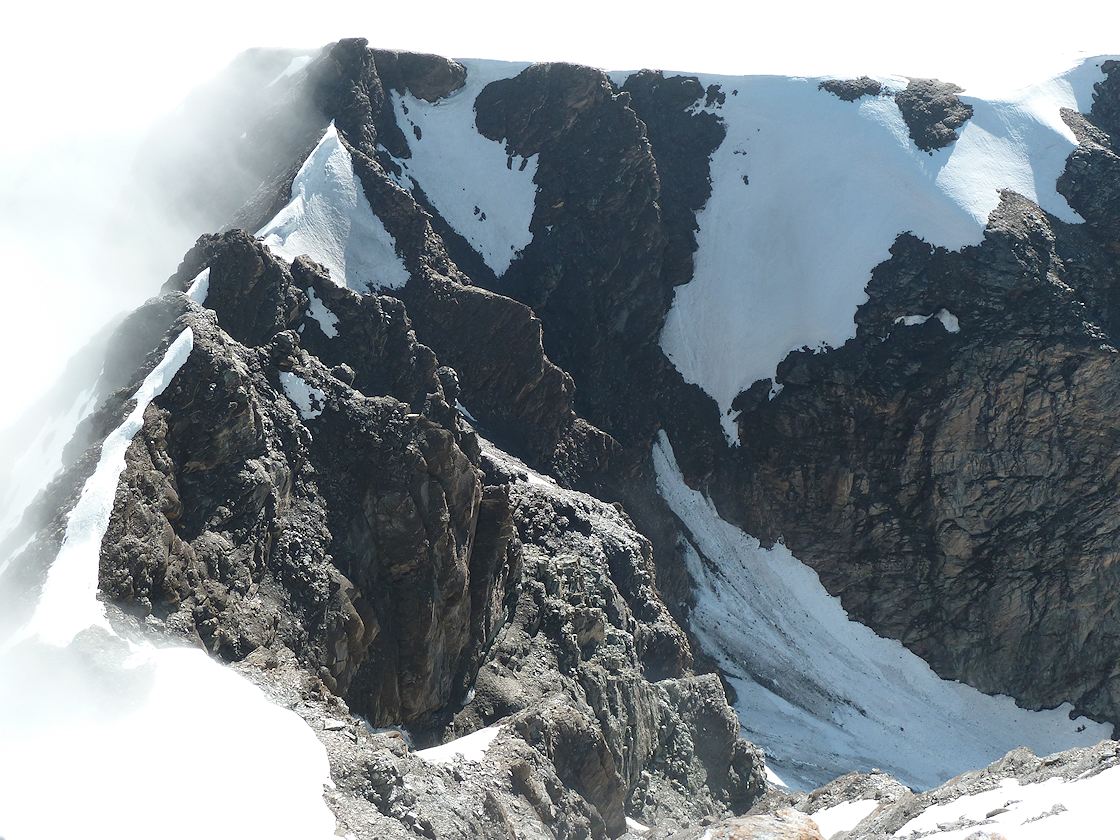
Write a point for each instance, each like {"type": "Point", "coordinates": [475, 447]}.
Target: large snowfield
{"type": "Point", "coordinates": [783, 260]}
{"type": "Point", "coordinates": [823, 694]}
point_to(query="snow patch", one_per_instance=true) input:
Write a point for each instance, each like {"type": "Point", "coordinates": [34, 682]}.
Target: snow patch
{"type": "Point", "coordinates": [782, 263]}
{"type": "Point", "coordinates": [1084, 807]}
{"type": "Point", "coordinates": [309, 401]}
{"type": "Point", "coordinates": [468, 748]}
{"type": "Point", "coordinates": [948, 320]}
{"type": "Point", "coordinates": [843, 817]}
{"type": "Point", "coordinates": [822, 694]}
{"type": "Point", "coordinates": [321, 314]}
{"type": "Point", "coordinates": [636, 827]}
{"type": "Point", "coordinates": [330, 220]}
{"type": "Point", "coordinates": [486, 195]}
{"type": "Point", "coordinates": [773, 778]}
{"type": "Point", "coordinates": [199, 288]}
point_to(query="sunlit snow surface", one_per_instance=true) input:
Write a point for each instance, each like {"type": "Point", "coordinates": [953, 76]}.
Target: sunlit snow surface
{"type": "Point", "coordinates": [1050, 810]}
{"type": "Point", "coordinates": [330, 220]}
{"type": "Point", "coordinates": [823, 694]}
{"type": "Point", "coordinates": [843, 817]}
{"type": "Point", "coordinates": [321, 313]}
{"type": "Point", "coordinates": [484, 194]}
{"type": "Point", "coordinates": [110, 739]}
{"type": "Point", "coordinates": [783, 260]}
{"type": "Point", "coordinates": [470, 747]}
{"type": "Point", "coordinates": [199, 289]}
{"type": "Point", "coordinates": [308, 401]}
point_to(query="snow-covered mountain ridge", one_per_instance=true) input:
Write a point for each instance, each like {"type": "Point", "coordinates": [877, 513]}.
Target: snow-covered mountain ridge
{"type": "Point", "coordinates": [893, 298]}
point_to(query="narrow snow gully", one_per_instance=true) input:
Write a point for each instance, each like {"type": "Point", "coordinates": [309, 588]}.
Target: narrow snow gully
{"type": "Point", "coordinates": [88, 719]}
{"type": "Point", "coordinates": [485, 194]}
{"type": "Point", "coordinates": [823, 694]}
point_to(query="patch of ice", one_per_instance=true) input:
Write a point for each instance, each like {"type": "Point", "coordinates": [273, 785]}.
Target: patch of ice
{"type": "Point", "coordinates": [484, 194]}
{"type": "Point", "coordinates": [321, 313]}
{"type": "Point", "coordinates": [330, 220]}
{"type": "Point", "coordinates": [635, 827]}
{"type": "Point", "coordinates": [463, 410]}
{"type": "Point", "coordinates": [307, 400]}
{"type": "Point", "coordinates": [843, 817]}
{"type": "Point", "coordinates": [200, 287]}
{"type": "Point", "coordinates": [948, 320]}
{"type": "Point", "coordinates": [294, 66]}
{"type": "Point", "coordinates": [68, 603]}
{"type": "Point", "coordinates": [773, 778]}
{"type": "Point", "coordinates": [782, 263]}
{"type": "Point", "coordinates": [468, 748]}
{"type": "Point", "coordinates": [822, 694]}
{"type": "Point", "coordinates": [1084, 807]}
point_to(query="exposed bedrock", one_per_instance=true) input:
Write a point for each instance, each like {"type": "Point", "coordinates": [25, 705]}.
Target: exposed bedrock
{"type": "Point", "coordinates": [614, 231]}
{"type": "Point", "coordinates": [933, 112]}
{"type": "Point", "coordinates": [851, 90]}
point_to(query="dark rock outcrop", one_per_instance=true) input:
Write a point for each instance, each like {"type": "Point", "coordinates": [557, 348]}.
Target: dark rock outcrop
{"type": "Point", "coordinates": [851, 90]}
{"type": "Point", "coordinates": [933, 112]}
{"type": "Point", "coordinates": [1091, 180]}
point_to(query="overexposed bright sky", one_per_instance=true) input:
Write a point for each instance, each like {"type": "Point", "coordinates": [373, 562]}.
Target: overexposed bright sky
{"type": "Point", "coordinates": [82, 81]}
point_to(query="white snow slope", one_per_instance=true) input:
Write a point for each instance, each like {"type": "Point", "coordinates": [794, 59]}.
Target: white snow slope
{"type": "Point", "coordinates": [330, 220]}
{"type": "Point", "coordinates": [85, 715]}
{"type": "Point", "coordinates": [1047, 810]}
{"type": "Point", "coordinates": [783, 261]}
{"type": "Point", "coordinates": [822, 694]}
{"type": "Point", "coordinates": [843, 817]}
{"type": "Point", "coordinates": [485, 194]}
